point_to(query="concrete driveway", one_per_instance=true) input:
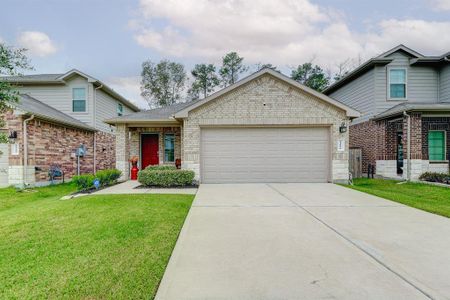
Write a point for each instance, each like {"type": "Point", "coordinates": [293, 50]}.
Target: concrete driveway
{"type": "Point", "coordinates": [306, 241]}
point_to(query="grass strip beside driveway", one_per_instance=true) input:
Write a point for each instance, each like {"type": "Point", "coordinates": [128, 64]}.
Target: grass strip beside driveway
{"type": "Point", "coordinates": [423, 196]}
{"type": "Point", "coordinates": [105, 246]}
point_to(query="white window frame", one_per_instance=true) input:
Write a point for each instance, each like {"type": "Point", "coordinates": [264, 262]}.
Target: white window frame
{"type": "Point", "coordinates": [389, 83]}
{"type": "Point", "coordinates": [164, 141]}
{"type": "Point", "coordinates": [15, 149]}
{"type": "Point", "coordinates": [119, 113]}
{"type": "Point", "coordinates": [85, 100]}
{"type": "Point", "coordinates": [445, 148]}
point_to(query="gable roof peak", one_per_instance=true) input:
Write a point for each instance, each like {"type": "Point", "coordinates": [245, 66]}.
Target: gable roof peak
{"type": "Point", "coordinates": [183, 113]}
{"type": "Point", "coordinates": [403, 48]}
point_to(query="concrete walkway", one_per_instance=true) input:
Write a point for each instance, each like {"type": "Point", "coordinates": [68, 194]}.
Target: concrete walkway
{"type": "Point", "coordinates": [129, 187]}
{"type": "Point", "coordinates": [306, 241]}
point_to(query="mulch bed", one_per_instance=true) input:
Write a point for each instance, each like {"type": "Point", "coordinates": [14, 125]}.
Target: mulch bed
{"type": "Point", "coordinates": [192, 186]}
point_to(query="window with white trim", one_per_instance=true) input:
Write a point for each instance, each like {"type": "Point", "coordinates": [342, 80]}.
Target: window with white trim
{"type": "Point", "coordinates": [397, 84]}
{"type": "Point", "coordinates": [169, 147]}
{"type": "Point", "coordinates": [119, 109]}
{"type": "Point", "coordinates": [78, 99]}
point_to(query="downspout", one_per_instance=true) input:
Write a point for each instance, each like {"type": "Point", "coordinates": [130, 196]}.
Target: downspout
{"type": "Point", "coordinates": [25, 150]}
{"type": "Point", "coordinates": [95, 121]}
{"type": "Point", "coordinates": [408, 136]}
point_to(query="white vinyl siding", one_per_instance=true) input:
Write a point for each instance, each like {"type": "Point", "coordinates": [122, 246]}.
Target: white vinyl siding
{"type": "Point", "coordinates": [444, 93]}
{"type": "Point", "coordinates": [240, 155]}
{"type": "Point", "coordinates": [106, 108]}
{"type": "Point", "coordinates": [359, 94]}
{"type": "Point", "coordinates": [79, 99]}
{"type": "Point", "coordinates": [59, 96]}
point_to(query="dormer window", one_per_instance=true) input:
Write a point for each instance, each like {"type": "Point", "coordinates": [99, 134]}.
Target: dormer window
{"type": "Point", "coordinates": [79, 100]}
{"type": "Point", "coordinates": [397, 84]}
{"type": "Point", "coordinates": [119, 109]}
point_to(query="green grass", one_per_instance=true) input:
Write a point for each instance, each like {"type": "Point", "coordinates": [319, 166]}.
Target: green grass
{"type": "Point", "coordinates": [93, 247]}
{"type": "Point", "coordinates": [423, 196]}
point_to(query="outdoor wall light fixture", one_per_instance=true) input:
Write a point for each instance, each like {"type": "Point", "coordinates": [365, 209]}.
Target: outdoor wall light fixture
{"type": "Point", "coordinates": [12, 137]}
{"type": "Point", "coordinates": [343, 128]}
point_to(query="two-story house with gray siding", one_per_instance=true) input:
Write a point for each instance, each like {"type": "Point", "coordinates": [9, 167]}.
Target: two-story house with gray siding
{"type": "Point", "coordinates": [56, 113]}
{"type": "Point", "coordinates": [404, 98]}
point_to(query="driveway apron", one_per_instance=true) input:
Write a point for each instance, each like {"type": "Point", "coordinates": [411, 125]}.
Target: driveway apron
{"type": "Point", "coordinates": [306, 241]}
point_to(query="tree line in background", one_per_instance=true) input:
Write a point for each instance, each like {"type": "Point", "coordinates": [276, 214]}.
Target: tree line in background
{"type": "Point", "coordinates": [164, 83]}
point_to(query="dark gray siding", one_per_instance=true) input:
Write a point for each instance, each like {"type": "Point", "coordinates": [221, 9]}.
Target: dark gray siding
{"type": "Point", "coordinates": [358, 94]}
{"type": "Point", "coordinates": [444, 92]}
{"type": "Point", "coordinates": [422, 83]}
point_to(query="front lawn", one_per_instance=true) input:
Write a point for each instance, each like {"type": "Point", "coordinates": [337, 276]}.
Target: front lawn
{"type": "Point", "coordinates": [423, 196]}
{"type": "Point", "coordinates": [93, 247]}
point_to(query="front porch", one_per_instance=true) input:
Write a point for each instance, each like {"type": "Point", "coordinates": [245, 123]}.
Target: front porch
{"type": "Point", "coordinates": [429, 135]}
{"type": "Point", "coordinates": [153, 145]}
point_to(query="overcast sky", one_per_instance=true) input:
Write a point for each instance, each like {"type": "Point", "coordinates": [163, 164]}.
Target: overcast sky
{"type": "Point", "coordinates": [109, 39]}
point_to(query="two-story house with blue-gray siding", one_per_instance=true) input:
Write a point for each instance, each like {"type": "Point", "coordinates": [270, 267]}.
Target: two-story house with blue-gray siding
{"type": "Point", "coordinates": [404, 98]}
{"type": "Point", "coordinates": [55, 114]}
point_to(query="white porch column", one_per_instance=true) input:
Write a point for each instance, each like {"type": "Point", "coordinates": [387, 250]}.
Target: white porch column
{"type": "Point", "coordinates": [123, 151]}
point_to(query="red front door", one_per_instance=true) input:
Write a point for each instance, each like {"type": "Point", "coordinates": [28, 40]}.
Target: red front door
{"type": "Point", "coordinates": [149, 150]}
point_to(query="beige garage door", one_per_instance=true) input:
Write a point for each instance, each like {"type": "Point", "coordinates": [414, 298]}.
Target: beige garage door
{"type": "Point", "coordinates": [239, 155]}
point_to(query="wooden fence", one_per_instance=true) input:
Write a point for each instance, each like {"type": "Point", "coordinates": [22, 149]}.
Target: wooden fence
{"type": "Point", "coordinates": [355, 162]}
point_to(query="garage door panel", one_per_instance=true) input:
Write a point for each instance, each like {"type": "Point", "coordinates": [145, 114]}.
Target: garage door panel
{"type": "Point", "coordinates": [264, 155]}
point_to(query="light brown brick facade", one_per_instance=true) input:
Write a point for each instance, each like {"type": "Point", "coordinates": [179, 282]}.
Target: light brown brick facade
{"type": "Point", "coordinates": [270, 102]}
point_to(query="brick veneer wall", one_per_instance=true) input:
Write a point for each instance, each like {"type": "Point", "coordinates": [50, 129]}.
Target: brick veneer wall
{"type": "Point", "coordinates": [266, 101]}
{"type": "Point", "coordinates": [52, 144]}
{"type": "Point", "coordinates": [364, 136]}
{"type": "Point", "coordinates": [416, 136]}
{"type": "Point", "coordinates": [377, 140]}
{"type": "Point", "coordinates": [106, 150]}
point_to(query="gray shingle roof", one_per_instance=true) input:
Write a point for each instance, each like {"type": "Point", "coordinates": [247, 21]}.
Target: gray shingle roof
{"type": "Point", "coordinates": [400, 108]}
{"type": "Point", "coordinates": [59, 79]}
{"type": "Point", "coordinates": [33, 78]}
{"type": "Point", "coordinates": [163, 113]}
{"type": "Point", "coordinates": [382, 59]}
{"type": "Point", "coordinates": [46, 112]}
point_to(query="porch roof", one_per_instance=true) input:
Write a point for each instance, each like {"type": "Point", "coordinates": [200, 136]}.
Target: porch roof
{"type": "Point", "coordinates": [162, 114]}
{"type": "Point", "coordinates": [408, 107]}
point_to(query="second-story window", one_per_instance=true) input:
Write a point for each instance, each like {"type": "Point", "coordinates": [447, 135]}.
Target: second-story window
{"type": "Point", "coordinates": [397, 84]}
{"type": "Point", "coordinates": [119, 109]}
{"type": "Point", "coordinates": [79, 100]}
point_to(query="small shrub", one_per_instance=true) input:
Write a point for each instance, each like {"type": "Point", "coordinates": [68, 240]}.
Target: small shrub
{"type": "Point", "coordinates": [166, 178]}
{"type": "Point", "coordinates": [160, 168]}
{"type": "Point", "coordinates": [83, 182]}
{"type": "Point", "coordinates": [435, 177]}
{"type": "Point", "coordinates": [108, 176]}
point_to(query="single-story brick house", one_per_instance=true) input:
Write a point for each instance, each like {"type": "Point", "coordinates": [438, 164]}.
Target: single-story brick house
{"type": "Point", "coordinates": [264, 128]}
